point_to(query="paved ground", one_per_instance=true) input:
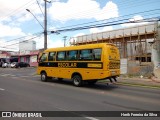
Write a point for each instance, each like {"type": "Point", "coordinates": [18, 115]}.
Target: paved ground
{"type": "Point", "coordinates": [134, 81]}
{"type": "Point", "coordinates": [22, 90]}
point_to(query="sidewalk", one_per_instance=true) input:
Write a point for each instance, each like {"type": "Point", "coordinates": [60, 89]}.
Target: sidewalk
{"type": "Point", "coordinates": [153, 82]}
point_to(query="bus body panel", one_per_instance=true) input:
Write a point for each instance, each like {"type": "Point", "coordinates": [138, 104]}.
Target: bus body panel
{"type": "Point", "coordinates": [108, 66]}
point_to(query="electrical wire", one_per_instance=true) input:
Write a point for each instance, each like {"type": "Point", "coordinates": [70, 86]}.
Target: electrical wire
{"type": "Point", "coordinates": [123, 5]}
{"type": "Point", "coordinates": [73, 27]}
{"type": "Point", "coordinates": [21, 38]}
{"type": "Point", "coordinates": [6, 46]}
{"type": "Point", "coordinates": [104, 20]}
{"type": "Point", "coordinates": [103, 25]}
{"type": "Point", "coordinates": [40, 8]}
{"type": "Point", "coordinates": [12, 13]}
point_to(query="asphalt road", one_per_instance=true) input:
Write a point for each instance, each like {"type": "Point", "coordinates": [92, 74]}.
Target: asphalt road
{"type": "Point", "coordinates": [22, 90]}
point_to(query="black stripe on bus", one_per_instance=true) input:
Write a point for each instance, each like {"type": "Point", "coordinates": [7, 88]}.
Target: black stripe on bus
{"type": "Point", "coordinates": [95, 65]}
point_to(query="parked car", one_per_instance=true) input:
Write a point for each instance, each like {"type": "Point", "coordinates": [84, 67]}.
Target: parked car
{"type": "Point", "coordinates": [5, 65]}
{"type": "Point", "coordinates": [2, 61]}
{"type": "Point", "coordinates": [21, 64]}
{"type": "Point", "coordinates": [13, 64]}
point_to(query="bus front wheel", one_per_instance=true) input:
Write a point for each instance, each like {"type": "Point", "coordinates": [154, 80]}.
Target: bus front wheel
{"type": "Point", "coordinates": [77, 80]}
{"type": "Point", "coordinates": [43, 77]}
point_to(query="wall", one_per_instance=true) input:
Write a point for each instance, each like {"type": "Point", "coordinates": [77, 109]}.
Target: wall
{"type": "Point", "coordinates": [124, 64]}
{"type": "Point", "coordinates": [135, 69]}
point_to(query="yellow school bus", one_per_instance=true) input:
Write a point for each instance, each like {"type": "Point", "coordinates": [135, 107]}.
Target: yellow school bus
{"type": "Point", "coordinates": [83, 63]}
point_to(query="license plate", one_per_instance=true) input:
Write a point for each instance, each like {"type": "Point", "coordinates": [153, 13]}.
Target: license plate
{"type": "Point", "coordinates": [113, 72]}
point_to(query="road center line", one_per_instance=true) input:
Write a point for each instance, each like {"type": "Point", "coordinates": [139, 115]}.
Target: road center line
{"type": "Point", "coordinates": [2, 89]}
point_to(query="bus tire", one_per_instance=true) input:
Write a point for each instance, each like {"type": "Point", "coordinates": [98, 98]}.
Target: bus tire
{"type": "Point", "coordinates": [43, 76]}
{"type": "Point", "coordinates": [77, 80]}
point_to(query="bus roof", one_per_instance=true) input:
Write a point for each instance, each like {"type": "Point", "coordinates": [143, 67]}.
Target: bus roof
{"type": "Point", "coordinates": [79, 47]}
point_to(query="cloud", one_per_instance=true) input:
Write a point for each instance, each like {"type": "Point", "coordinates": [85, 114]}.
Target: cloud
{"type": "Point", "coordinates": [50, 43]}
{"type": "Point", "coordinates": [11, 46]}
{"type": "Point", "coordinates": [82, 9]}
{"type": "Point", "coordinates": [110, 10]}
{"type": "Point", "coordinates": [10, 31]}
{"type": "Point", "coordinates": [15, 10]}
{"type": "Point", "coordinates": [55, 43]}
{"type": "Point", "coordinates": [96, 30]}
{"type": "Point", "coordinates": [136, 18]}
{"type": "Point", "coordinates": [12, 7]}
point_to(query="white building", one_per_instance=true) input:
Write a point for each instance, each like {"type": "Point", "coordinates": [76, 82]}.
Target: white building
{"type": "Point", "coordinates": [27, 45]}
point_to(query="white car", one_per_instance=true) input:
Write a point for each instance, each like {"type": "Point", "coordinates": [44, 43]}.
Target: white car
{"type": "Point", "coordinates": [13, 64]}
{"type": "Point", "coordinates": [5, 65]}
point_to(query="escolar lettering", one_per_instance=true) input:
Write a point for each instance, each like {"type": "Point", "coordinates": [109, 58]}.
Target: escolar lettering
{"type": "Point", "coordinates": [73, 65]}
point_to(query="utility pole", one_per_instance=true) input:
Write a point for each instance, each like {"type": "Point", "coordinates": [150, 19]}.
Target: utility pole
{"type": "Point", "coordinates": [45, 25]}
{"type": "Point", "coordinates": [64, 38]}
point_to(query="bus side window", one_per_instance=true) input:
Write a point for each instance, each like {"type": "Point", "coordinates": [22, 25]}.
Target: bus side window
{"type": "Point", "coordinates": [72, 55]}
{"type": "Point", "coordinates": [61, 56]}
{"type": "Point", "coordinates": [43, 57]}
{"type": "Point", "coordinates": [51, 56]}
{"type": "Point", "coordinates": [97, 54]}
{"type": "Point", "coordinates": [86, 54]}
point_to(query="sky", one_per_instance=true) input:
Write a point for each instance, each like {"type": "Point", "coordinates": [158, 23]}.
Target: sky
{"type": "Point", "coordinates": [17, 24]}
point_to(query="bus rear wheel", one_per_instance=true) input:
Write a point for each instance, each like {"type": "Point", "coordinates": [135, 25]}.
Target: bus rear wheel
{"type": "Point", "coordinates": [77, 80]}
{"type": "Point", "coordinates": [43, 77]}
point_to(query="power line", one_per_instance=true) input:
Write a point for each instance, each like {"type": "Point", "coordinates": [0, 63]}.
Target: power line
{"type": "Point", "coordinates": [40, 8]}
{"type": "Point", "coordinates": [6, 46]}
{"type": "Point", "coordinates": [126, 4]}
{"type": "Point", "coordinates": [109, 20]}
{"type": "Point", "coordinates": [92, 26]}
{"type": "Point", "coordinates": [18, 9]}
{"type": "Point", "coordinates": [20, 38]}
{"type": "Point", "coordinates": [87, 23]}
{"type": "Point", "coordinates": [123, 3]}
{"type": "Point", "coordinates": [112, 18]}
{"type": "Point", "coordinates": [103, 25]}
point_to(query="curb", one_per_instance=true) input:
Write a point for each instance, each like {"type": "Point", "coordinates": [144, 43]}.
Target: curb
{"type": "Point", "coordinates": [154, 79]}
{"type": "Point", "coordinates": [138, 85]}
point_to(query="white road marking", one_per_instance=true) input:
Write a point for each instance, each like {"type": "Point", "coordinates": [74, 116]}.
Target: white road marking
{"type": "Point", "coordinates": [2, 89]}
{"type": "Point", "coordinates": [6, 75]}
{"type": "Point", "coordinates": [91, 118]}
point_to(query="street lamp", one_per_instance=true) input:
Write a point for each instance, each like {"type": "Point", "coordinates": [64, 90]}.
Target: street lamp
{"type": "Point", "coordinates": [44, 28]}
{"type": "Point", "coordinates": [35, 18]}
{"type": "Point", "coordinates": [45, 23]}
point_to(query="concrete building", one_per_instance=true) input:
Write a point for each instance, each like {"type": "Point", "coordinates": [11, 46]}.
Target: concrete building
{"type": "Point", "coordinates": [27, 45]}
{"type": "Point", "coordinates": [27, 53]}
{"type": "Point", "coordinates": [139, 46]}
